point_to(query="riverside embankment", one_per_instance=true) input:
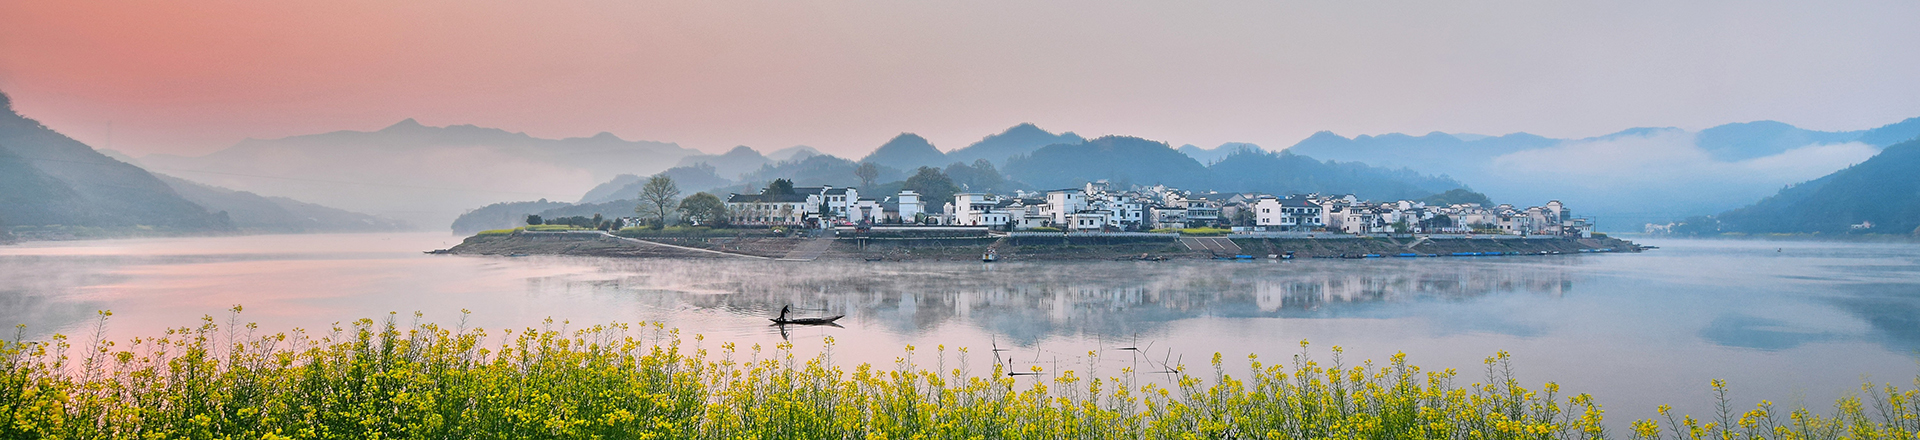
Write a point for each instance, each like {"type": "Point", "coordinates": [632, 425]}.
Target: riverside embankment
{"type": "Point", "coordinates": [1018, 247]}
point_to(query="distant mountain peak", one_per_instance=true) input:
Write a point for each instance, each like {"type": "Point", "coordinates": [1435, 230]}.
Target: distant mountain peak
{"type": "Point", "coordinates": [741, 150]}
{"type": "Point", "coordinates": [404, 124]}
{"type": "Point", "coordinates": [907, 138]}
{"type": "Point", "coordinates": [1024, 128]}
{"type": "Point", "coordinates": [907, 151]}
{"type": "Point", "coordinates": [1022, 138]}
{"type": "Point", "coordinates": [792, 153]}
{"type": "Point", "coordinates": [6, 103]}
{"type": "Point", "coordinates": [1635, 132]}
{"type": "Point", "coordinates": [602, 136]}
{"type": "Point", "coordinates": [1323, 136]}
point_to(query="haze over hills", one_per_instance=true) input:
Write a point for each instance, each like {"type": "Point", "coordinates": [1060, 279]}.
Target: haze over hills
{"type": "Point", "coordinates": [1211, 155]}
{"type": "Point", "coordinates": [731, 164]}
{"type": "Point", "coordinates": [793, 153]}
{"type": "Point", "coordinates": [1880, 195]}
{"type": "Point", "coordinates": [1135, 161]}
{"type": "Point", "coordinates": [690, 179]}
{"type": "Point", "coordinates": [253, 213]}
{"type": "Point", "coordinates": [1627, 178]}
{"type": "Point", "coordinates": [47, 178]}
{"type": "Point", "coordinates": [425, 175]}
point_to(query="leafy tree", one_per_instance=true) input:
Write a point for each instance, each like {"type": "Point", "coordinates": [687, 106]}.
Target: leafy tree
{"type": "Point", "coordinates": [981, 176]}
{"type": "Point", "coordinates": [534, 219]}
{"type": "Point", "coordinates": [778, 187]}
{"type": "Point", "coordinates": [1243, 217]}
{"type": "Point", "coordinates": [867, 171]}
{"type": "Point", "coordinates": [704, 209]}
{"type": "Point", "coordinates": [657, 198]}
{"type": "Point", "coordinates": [1458, 196]}
{"type": "Point", "coordinates": [933, 186]}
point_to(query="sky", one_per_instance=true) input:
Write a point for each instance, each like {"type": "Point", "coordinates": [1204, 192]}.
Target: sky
{"type": "Point", "coordinates": [194, 76]}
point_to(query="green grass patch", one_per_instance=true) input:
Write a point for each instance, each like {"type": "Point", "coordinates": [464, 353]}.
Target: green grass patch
{"type": "Point", "coordinates": [689, 231]}
{"type": "Point", "coordinates": [373, 379]}
{"type": "Point", "coordinates": [554, 228]}
{"type": "Point", "coordinates": [1205, 232]}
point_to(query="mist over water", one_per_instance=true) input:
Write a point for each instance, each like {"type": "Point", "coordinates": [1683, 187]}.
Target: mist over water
{"type": "Point", "coordinates": [1797, 323]}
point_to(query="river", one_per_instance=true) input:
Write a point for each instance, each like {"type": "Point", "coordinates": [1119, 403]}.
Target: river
{"type": "Point", "coordinates": [1799, 323]}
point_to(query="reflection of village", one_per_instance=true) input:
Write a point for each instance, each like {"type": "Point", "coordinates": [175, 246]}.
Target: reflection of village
{"type": "Point", "coordinates": [1103, 299]}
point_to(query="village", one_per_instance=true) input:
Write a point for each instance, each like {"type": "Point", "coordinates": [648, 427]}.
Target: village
{"type": "Point", "coordinates": [1097, 207]}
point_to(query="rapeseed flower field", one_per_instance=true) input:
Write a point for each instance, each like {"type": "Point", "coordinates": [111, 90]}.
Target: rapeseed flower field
{"type": "Point", "coordinates": [377, 379]}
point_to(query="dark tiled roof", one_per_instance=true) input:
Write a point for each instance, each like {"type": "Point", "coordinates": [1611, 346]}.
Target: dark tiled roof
{"type": "Point", "coordinates": [767, 198]}
{"type": "Point", "coordinates": [1297, 203]}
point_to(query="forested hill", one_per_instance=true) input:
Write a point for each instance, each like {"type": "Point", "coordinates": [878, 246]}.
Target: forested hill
{"type": "Point", "coordinates": [1134, 161]}
{"type": "Point", "coordinates": [1883, 190]}
{"type": "Point", "coordinates": [47, 178]}
{"type": "Point", "coordinates": [1121, 159]}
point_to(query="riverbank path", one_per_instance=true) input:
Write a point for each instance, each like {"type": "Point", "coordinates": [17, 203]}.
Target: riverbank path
{"type": "Point", "coordinates": [684, 248]}
{"type": "Point", "coordinates": [1211, 244]}
{"type": "Point", "coordinates": [810, 250]}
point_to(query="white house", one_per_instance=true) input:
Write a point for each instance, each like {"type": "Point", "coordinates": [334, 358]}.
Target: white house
{"type": "Point", "coordinates": [972, 209]}
{"type": "Point", "coordinates": [1288, 214]}
{"type": "Point", "coordinates": [1064, 203]}
{"type": "Point", "coordinates": [866, 210]}
{"type": "Point", "coordinates": [1087, 221]}
{"type": "Point", "coordinates": [910, 206]}
{"type": "Point", "coordinates": [769, 209]}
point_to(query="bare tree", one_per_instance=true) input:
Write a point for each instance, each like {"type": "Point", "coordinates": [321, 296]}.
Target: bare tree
{"type": "Point", "coordinates": [867, 171]}
{"type": "Point", "coordinates": [658, 198]}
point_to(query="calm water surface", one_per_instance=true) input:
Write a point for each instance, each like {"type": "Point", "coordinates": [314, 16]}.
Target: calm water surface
{"type": "Point", "coordinates": [1797, 323]}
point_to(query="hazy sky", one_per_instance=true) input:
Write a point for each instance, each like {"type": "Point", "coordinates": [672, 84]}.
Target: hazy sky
{"type": "Point", "coordinates": [192, 76]}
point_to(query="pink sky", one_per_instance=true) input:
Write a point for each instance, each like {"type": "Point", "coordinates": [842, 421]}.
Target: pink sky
{"type": "Point", "coordinates": [193, 76]}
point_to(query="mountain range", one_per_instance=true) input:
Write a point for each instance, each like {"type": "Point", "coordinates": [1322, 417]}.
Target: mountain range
{"type": "Point", "coordinates": [1627, 178]}
{"type": "Point", "coordinates": [419, 173]}
{"type": "Point", "coordinates": [254, 213]}
{"type": "Point", "coordinates": [428, 175]}
{"type": "Point", "coordinates": [1128, 160]}
{"type": "Point", "coordinates": [48, 180]}
{"type": "Point", "coordinates": [1121, 160]}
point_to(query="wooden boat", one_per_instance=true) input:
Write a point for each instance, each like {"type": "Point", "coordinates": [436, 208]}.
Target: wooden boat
{"type": "Point", "coordinates": [990, 256]}
{"type": "Point", "coordinates": [807, 321]}
{"type": "Point", "coordinates": [784, 320]}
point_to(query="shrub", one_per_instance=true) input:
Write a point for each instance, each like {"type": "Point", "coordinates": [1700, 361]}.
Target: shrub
{"type": "Point", "coordinates": [1044, 229]}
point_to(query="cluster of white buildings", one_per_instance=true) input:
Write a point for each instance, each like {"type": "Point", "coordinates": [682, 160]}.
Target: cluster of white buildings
{"type": "Point", "coordinates": [1097, 207]}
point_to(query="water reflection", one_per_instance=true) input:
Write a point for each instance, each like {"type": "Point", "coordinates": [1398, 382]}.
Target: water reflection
{"type": "Point", "coordinates": [1028, 302]}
